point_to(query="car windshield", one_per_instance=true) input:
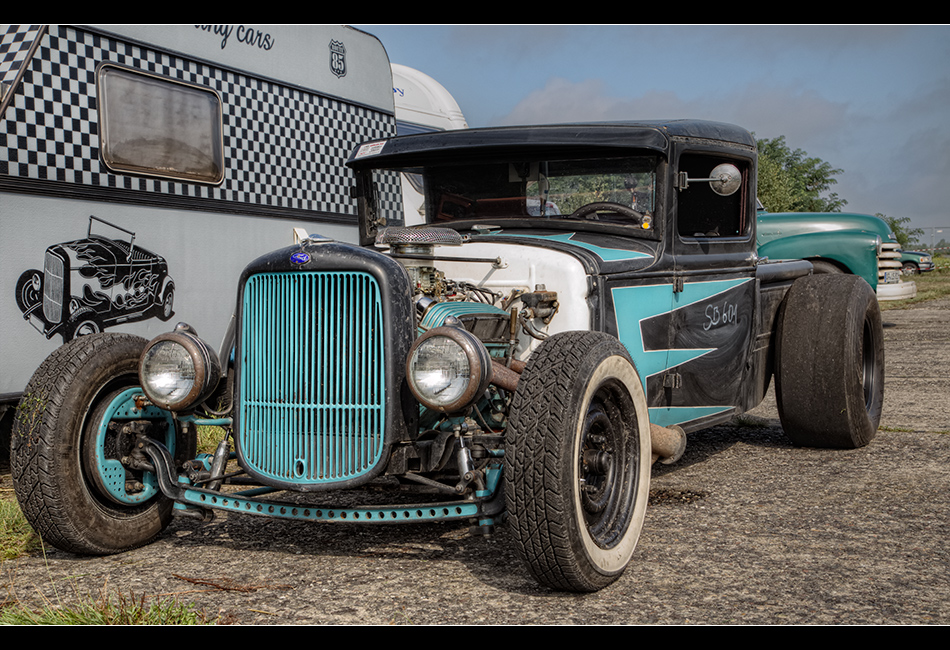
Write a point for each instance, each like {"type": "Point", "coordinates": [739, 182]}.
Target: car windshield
{"type": "Point", "coordinates": [543, 189]}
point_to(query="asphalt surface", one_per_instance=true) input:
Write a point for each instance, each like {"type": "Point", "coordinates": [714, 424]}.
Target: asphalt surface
{"type": "Point", "coordinates": [744, 529]}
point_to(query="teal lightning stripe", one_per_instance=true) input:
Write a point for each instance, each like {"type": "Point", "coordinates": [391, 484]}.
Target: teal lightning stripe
{"type": "Point", "coordinates": [633, 306]}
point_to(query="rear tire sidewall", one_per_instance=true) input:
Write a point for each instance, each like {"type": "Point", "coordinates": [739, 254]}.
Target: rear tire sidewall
{"type": "Point", "coordinates": [830, 362]}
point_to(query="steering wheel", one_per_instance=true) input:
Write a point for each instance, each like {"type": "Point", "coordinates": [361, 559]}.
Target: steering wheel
{"type": "Point", "coordinates": [585, 211]}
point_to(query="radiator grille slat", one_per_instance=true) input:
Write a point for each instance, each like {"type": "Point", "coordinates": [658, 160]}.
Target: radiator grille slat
{"type": "Point", "coordinates": [312, 390]}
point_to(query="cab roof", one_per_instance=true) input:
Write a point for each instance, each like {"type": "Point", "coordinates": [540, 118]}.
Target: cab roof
{"type": "Point", "coordinates": [608, 137]}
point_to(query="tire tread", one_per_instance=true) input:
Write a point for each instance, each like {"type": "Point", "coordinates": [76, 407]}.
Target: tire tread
{"type": "Point", "coordinates": [542, 534]}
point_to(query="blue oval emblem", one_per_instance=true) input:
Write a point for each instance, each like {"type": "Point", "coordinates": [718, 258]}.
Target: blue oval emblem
{"type": "Point", "coordinates": [300, 258]}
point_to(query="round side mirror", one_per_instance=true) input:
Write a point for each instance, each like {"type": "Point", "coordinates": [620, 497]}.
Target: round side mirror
{"type": "Point", "coordinates": [725, 179]}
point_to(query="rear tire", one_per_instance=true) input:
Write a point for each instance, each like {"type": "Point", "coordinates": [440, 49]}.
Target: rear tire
{"type": "Point", "coordinates": [578, 457]}
{"type": "Point", "coordinates": [166, 309]}
{"type": "Point", "coordinates": [830, 362]}
{"type": "Point", "coordinates": [61, 483]}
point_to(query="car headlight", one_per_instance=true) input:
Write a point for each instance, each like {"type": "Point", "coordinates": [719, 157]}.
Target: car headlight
{"type": "Point", "coordinates": [178, 370]}
{"type": "Point", "coordinates": [448, 369]}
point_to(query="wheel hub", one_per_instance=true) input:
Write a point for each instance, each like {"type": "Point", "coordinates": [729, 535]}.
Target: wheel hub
{"type": "Point", "coordinates": [114, 434]}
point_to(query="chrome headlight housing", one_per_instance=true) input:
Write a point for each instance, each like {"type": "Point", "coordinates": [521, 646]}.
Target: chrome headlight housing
{"type": "Point", "coordinates": [448, 369]}
{"type": "Point", "coordinates": [178, 370]}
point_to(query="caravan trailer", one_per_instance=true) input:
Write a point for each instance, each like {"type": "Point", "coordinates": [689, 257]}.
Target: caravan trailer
{"type": "Point", "coordinates": [423, 104]}
{"type": "Point", "coordinates": [143, 166]}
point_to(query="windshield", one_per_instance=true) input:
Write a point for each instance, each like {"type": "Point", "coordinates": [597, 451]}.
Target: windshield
{"type": "Point", "coordinates": [543, 189]}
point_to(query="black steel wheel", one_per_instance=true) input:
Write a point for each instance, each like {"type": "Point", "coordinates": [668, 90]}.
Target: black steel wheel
{"type": "Point", "coordinates": [577, 461]}
{"type": "Point", "coordinates": [83, 323]}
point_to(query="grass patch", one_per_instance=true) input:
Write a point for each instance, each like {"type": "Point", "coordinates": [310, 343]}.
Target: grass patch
{"type": "Point", "coordinates": [16, 536]}
{"type": "Point", "coordinates": [930, 286]}
{"type": "Point", "coordinates": [208, 438]}
{"type": "Point", "coordinates": [18, 539]}
{"type": "Point", "coordinates": [896, 429]}
{"type": "Point", "coordinates": [104, 609]}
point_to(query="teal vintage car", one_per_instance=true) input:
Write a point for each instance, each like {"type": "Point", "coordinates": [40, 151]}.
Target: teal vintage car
{"type": "Point", "coordinates": [837, 242]}
{"type": "Point", "coordinates": [914, 262]}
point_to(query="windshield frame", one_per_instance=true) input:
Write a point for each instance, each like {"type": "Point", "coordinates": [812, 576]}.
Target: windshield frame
{"type": "Point", "coordinates": [646, 167]}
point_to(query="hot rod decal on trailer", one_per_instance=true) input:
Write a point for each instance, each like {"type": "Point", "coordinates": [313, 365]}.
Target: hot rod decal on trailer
{"type": "Point", "coordinates": [89, 284]}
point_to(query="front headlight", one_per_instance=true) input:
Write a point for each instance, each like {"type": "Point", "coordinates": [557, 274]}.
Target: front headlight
{"type": "Point", "coordinates": [178, 370]}
{"type": "Point", "coordinates": [448, 369]}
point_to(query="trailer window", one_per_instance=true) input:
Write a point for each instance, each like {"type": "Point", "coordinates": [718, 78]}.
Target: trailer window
{"type": "Point", "coordinates": [159, 127]}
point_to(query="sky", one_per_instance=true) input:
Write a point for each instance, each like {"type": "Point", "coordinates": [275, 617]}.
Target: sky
{"type": "Point", "coordinates": [870, 100]}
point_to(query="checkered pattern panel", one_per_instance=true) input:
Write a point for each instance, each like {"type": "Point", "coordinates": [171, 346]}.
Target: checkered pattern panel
{"type": "Point", "coordinates": [15, 42]}
{"type": "Point", "coordinates": [283, 148]}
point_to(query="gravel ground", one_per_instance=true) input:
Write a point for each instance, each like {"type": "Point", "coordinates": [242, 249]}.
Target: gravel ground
{"type": "Point", "coordinates": [744, 528]}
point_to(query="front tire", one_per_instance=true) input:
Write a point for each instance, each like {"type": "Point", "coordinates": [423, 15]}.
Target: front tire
{"type": "Point", "coordinates": [577, 453]}
{"type": "Point", "coordinates": [29, 290]}
{"type": "Point", "coordinates": [829, 378]}
{"type": "Point", "coordinates": [65, 458]}
{"type": "Point", "coordinates": [83, 323]}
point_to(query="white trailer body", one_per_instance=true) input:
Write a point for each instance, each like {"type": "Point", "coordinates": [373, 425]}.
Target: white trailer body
{"type": "Point", "coordinates": [142, 167]}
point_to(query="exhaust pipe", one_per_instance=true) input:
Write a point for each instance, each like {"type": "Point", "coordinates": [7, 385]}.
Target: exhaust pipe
{"type": "Point", "coordinates": [669, 443]}
{"type": "Point", "coordinates": [505, 377]}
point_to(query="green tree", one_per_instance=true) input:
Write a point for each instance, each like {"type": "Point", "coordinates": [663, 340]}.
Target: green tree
{"type": "Point", "coordinates": [906, 236]}
{"type": "Point", "coordinates": [792, 181]}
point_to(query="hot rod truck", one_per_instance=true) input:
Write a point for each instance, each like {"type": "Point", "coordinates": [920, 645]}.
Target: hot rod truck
{"type": "Point", "coordinates": [579, 298]}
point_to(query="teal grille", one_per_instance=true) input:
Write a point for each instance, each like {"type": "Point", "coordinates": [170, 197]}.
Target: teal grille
{"type": "Point", "coordinates": [312, 388]}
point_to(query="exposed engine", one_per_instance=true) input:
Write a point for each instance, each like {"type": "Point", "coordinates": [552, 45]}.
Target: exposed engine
{"type": "Point", "coordinates": [493, 317]}
{"type": "Point", "coordinates": [464, 367]}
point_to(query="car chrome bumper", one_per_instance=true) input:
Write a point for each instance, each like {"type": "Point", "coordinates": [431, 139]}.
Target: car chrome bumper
{"type": "Point", "coordinates": [896, 291]}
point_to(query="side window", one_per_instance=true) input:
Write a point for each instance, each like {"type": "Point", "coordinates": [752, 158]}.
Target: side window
{"type": "Point", "coordinates": [159, 127]}
{"type": "Point", "coordinates": [703, 213]}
